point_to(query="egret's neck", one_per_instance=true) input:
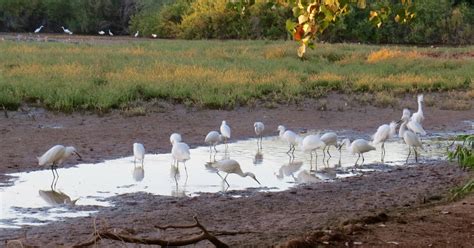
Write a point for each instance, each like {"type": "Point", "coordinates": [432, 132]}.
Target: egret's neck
{"type": "Point", "coordinates": [402, 130]}
{"type": "Point", "coordinates": [282, 131]}
{"type": "Point", "coordinates": [420, 107]}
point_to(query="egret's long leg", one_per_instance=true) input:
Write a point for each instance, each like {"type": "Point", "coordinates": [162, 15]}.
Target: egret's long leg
{"type": "Point", "coordinates": [225, 180]}
{"type": "Point", "coordinates": [383, 151]}
{"type": "Point", "coordinates": [327, 150]}
{"type": "Point", "coordinates": [215, 149]}
{"type": "Point", "coordinates": [363, 159]}
{"type": "Point", "coordinates": [324, 154]}
{"type": "Point", "coordinates": [416, 154]}
{"type": "Point", "coordinates": [357, 160]}
{"type": "Point", "coordinates": [409, 152]}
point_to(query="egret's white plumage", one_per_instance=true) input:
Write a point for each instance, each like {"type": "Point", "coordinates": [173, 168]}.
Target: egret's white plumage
{"type": "Point", "coordinates": [38, 29]}
{"type": "Point", "coordinates": [110, 33]}
{"type": "Point", "coordinates": [225, 131]}
{"type": "Point", "coordinates": [329, 139]}
{"type": "Point", "coordinates": [410, 138]}
{"type": "Point", "coordinates": [230, 166]}
{"type": "Point", "coordinates": [136, 34]}
{"type": "Point", "coordinates": [213, 138]}
{"type": "Point", "coordinates": [101, 32]}
{"type": "Point", "coordinates": [180, 152]}
{"type": "Point", "coordinates": [138, 152]}
{"type": "Point", "coordinates": [418, 116]}
{"type": "Point", "coordinates": [56, 155]}
{"type": "Point", "coordinates": [413, 125]}
{"type": "Point", "coordinates": [289, 136]}
{"type": "Point", "coordinates": [358, 146]}
{"type": "Point", "coordinates": [259, 127]}
{"type": "Point", "coordinates": [67, 31]}
{"type": "Point", "coordinates": [311, 142]}
{"type": "Point", "coordinates": [384, 133]}
{"type": "Point", "coordinates": [175, 137]}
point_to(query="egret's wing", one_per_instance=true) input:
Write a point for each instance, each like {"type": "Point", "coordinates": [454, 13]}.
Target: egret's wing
{"type": "Point", "coordinates": [416, 127]}
{"type": "Point", "coordinates": [52, 155]}
{"type": "Point", "coordinates": [381, 134]}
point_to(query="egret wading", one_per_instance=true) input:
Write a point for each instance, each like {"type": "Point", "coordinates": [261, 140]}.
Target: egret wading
{"type": "Point", "coordinates": [290, 137]}
{"type": "Point", "coordinates": [138, 152]}
{"type": "Point", "coordinates": [384, 133]}
{"type": "Point", "coordinates": [55, 156]}
{"type": "Point", "coordinates": [413, 125]}
{"type": "Point", "coordinates": [259, 127]}
{"type": "Point", "coordinates": [329, 139]}
{"type": "Point", "coordinates": [180, 152]}
{"type": "Point", "coordinates": [310, 143]}
{"type": "Point", "coordinates": [231, 166]}
{"type": "Point", "coordinates": [419, 116]}
{"type": "Point", "coordinates": [410, 138]}
{"type": "Point", "coordinates": [225, 131]}
{"type": "Point", "coordinates": [359, 146]}
{"type": "Point", "coordinates": [213, 138]}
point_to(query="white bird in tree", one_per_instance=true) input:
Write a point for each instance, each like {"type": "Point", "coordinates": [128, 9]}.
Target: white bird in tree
{"type": "Point", "coordinates": [38, 29]}
{"type": "Point", "coordinates": [259, 127]}
{"type": "Point", "coordinates": [55, 156]}
{"type": "Point", "coordinates": [231, 166]}
{"type": "Point", "coordinates": [213, 138]}
{"type": "Point", "coordinates": [67, 31]}
{"type": "Point", "coordinates": [175, 137]}
{"type": "Point", "coordinates": [359, 146]}
{"type": "Point", "coordinates": [384, 133]}
{"type": "Point", "coordinates": [329, 139]}
{"type": "Point", "coordinates": [136, 34]}
{"type": "Point", "coordinates": [289, 136]}
{"type": "Point", "coordinates": [410, 138]}
{"type": "Point", "coordinates": [418, 116]}
{"type": "Point", "coordinates": [110, 33]}
{"type": "Point", "coordinates": [138, 152]}
{"type": "Point", "coordinates": [101, 32]}
{"type": "Point", "coordinates": [413, 125]}
{"type": "Point", "coordinates": [225, 131]}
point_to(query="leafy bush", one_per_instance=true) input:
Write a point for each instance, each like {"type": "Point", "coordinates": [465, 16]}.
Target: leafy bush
{"type": "Point", "coordinates": [463, 153]}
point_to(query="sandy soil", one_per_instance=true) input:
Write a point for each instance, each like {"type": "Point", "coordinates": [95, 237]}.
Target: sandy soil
{"type": "Point", "coordinates": [270, 218]}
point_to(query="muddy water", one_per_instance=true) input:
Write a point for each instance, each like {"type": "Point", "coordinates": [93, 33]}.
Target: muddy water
{"type": "Point", "coordinates": [36, 198]}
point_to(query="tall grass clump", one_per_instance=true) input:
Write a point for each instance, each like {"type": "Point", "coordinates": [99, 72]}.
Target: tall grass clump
{"type": "Point", "coordinates": [464, 155]}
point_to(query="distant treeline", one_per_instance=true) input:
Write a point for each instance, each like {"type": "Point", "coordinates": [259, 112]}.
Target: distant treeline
{"type": "Point", "coordinates": [437, 21]}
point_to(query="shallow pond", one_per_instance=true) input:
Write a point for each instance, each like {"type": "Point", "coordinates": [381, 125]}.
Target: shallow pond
{"type": "Point", "coordinates": [77, 192]}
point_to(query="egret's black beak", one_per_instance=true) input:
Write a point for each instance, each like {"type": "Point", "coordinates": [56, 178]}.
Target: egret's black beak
{"type": "Point", "coordinates": [257, 181]}
{"type": "Point", "coordinates": [79, 155]}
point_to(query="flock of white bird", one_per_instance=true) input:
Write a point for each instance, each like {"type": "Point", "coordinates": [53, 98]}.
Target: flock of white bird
{"type": "Point", "coordinates": [410, 127]}
{"type": "Point", "coordinates": [101, 32]}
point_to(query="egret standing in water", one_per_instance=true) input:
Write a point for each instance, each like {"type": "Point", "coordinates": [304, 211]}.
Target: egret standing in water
{"type": "Point", "coordinates": [413, 125]}
{"type": "Point", "coordinates": [310, 143]}
{"type": "Point", "coordinates": [259, 127]}
{"type": "Point", "coordinates": [55, 156]}
{"type": "Point", "coordinates": [384, 133]}
{"type": "Point", "coordinates": [225, 131]}
{"type": "Point", "coordinates": [213, 138]}
{"type": "Point", "coordinates": [329, 139]}
{"type": "Point", "coordinates": [138, 152]}
{"type": "Point", "coordinates": [67, 31]}
{"type": "Point", "coordinates": [231, 166]}
{"type": "Point", "coordinates": [419, 116]}
{"type": "Point", "coordinates": [38, 29]}
{"type": "Point", "coordinates": [359, 146]}
{"type": "Point", "coordinates": [180, 152]}
{"type": "Point", "coordinates": [410, 138]}
{"type": "Point", "coordinates": [289, 136]}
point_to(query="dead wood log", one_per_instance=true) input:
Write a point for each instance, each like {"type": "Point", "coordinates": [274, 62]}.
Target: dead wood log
{"type": "Point", "coordinates": [106, 234]}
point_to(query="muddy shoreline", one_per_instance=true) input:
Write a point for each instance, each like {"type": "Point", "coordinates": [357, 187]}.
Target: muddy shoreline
{"type": "Point", "coordinates": [272, 218]}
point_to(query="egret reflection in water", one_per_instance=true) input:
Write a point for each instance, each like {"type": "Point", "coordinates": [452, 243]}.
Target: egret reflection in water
{"type": "Point", "coordinates": [138, 172]}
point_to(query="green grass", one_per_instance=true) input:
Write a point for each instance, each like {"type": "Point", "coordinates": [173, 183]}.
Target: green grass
{"type": "Point", "coordinates": [217, 74]}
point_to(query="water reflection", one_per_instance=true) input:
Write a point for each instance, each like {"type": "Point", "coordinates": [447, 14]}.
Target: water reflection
{"type": "Point", "coordinates": [138, 172]}
{"type": "Point", "coordinates": [289, 169]}
{"type": "Point", "coordinates": [305, 177]}
{"type": "Point", "coordinates": [53, 198]}
{"type": "Point", "coordinates": [258, 158]}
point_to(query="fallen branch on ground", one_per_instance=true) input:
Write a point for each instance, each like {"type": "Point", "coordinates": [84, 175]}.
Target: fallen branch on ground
{"type": "Point", "coordinates": [113, 235]}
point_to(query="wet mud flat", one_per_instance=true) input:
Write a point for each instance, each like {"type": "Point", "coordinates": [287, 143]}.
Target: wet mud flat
{"type": "Point", "coordinates": [265, 218]}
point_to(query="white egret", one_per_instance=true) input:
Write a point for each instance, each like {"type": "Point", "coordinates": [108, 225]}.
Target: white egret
{"type": "Point", "coordinates": [359, 146]}
{"type": "Point", "coordinates": [110, 33]}
{"type": "Point", "coordinates": [290, 137]}
{"type": "Point", "coordinates": [180, 153]}
{"type": "Point", "coordinates": [410, 138]}
{"type": "Point", "coordinates": [384, 133]}
{"type": "Point", "coordinates": [413, 125]}
{"type": "Point", "coordinates": [138, 152]}
{"type": "Point", "coordinates": [418, 116]}
{"type": "Point", "coordinates": [329, 139]}
{"type": "Point", "coordinates": [67, 31]}
{"type": "Point", "coordinates": [225, 131]}
{"type": "Point", "coordinates": [310, 143]}
{"type": "Point", "coordinates": [231, 166]}
{"type": "Point", "coordinates": [38, 29]}
{"type": "Point", "coordinates": [213, 138]}
{"type": "Point", "coordinates": [175, 137]}
{"type": "Point", "coordinates": [259, 127]}
{"type": "Point", "coordinates": [136, 34]}
{"type": "Point", "coordinates": [154, 35]}
{"type": "Point", "coordinates": [101, 32]}
{"type": "Point", "coordinates": [55, 156]}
